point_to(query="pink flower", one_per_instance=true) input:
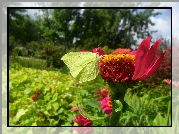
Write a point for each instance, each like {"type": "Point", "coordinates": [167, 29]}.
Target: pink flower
{"type": "Point", "coordinates": [106, 105]}
{"type": "Point", "coordinates": [95, 50]}
{"type": "Point", "coordinates": [167, 81]}
{"type": "Point", "coordinates": [82, 121]}
{"type": "Point", "coordinates": [83, 130]}
{"type": "Point", "coordinates": [175, 83]}
{"type": "Point", "coordinates": [99, 51]}
{"type": "Point", "coordinates": [145, 62]}
{"type": "Point", "coordinates": [74, 109]}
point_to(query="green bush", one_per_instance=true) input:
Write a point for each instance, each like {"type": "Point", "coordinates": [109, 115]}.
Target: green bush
{"type": "Point", "coordinates": [56, 57]}
{"type": "Point", "coordinates": [107, 50]}
{"type": "Point", "coordinates": [29, 62]}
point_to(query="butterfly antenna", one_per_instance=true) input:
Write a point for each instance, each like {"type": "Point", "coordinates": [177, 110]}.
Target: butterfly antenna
{"type": "Point", "coordinates": [99, 44]}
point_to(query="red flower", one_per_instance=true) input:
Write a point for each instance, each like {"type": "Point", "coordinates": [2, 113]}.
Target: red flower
{"type": "Point", "coordinates": [82, 121]}
{"type": "Point", "coordinates": [35, 97]}
{"type": "Point", "coordinates": [99, 51]}
{"type": "Point", "coordinates": [83, 130]}
{"type": "Point", "coordinates": [145, 62]}
{"type": "Point", "coordinates": [135, 65]}
{"type": "Point", "coordinates": [106, 105]}
{"type": "Point", "coordinates": [103, 93]}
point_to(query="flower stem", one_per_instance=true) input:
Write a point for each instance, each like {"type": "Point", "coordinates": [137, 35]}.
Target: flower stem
{"type": "Point", "coordinates": [118, 92]}
{"type": "Point", "coordinates": [114, 120]}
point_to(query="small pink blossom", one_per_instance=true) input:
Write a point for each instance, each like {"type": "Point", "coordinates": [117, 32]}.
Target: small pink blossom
{"type": "Point", "coordinates": [106, 105]}
{"type": "Point", "coordinates": [74, 109]}
{"type": "Point", "coordinates": [82, 121]}
{"type": "Point", "coordinates": [99, 51]}
{"type": "Point", "coordinates": [167, 81]}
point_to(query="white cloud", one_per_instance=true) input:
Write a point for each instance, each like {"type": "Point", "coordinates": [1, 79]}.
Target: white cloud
{"type": "Point", "coordinates": [163, 26]}
{"type": "Point", "coordinates": [175, 11]}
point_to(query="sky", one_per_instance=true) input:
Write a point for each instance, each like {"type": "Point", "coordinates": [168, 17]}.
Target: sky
{"type": "Point", "coordinates": [162, 22]}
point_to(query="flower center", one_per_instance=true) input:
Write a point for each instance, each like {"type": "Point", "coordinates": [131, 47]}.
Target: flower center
{"type": "Point", "coordinates": [109, 104]}
{"type": "Point", "coordinates": [118, 67]}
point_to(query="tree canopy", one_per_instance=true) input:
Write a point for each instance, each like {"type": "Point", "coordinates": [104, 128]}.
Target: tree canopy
{"type": "Point", "coordinates": [82, 28]}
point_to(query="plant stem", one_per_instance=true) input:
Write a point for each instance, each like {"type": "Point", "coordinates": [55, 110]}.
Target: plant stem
{"type": "Point", "coordinates": [118, 92]}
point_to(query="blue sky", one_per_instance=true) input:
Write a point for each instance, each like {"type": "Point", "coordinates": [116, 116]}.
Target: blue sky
{"type": "Point", "coordinates": [162, 22]}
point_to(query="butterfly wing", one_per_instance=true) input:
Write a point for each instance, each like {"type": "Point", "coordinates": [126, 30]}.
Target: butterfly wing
{"type": "Point", "coordinates": [81, 65]}
{"type": "Point", "coordinates": [89, 72]}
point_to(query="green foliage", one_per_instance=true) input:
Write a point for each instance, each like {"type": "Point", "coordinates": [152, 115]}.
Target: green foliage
{"type": "Point", "coordinates": [107, 50]}
{"type": "Point", "coordinates": [29, 31]}
{"type": "Point", "coordinates": [28, 62]}
{"type": "Point", "coordinates": [51, 106]}
{"type": "Point", "coordinates": [151, 106]}
{"type": "Point", "coordinates": [12, 44]}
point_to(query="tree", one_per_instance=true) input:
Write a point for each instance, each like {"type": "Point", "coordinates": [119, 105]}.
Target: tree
{"type": "Point", "coordinates": [22, 27]}
{"type": "Point", "coordinates": [64, 18]}
{"type": "Point", "coordinates": [112, 27]}
{"type": "Point", "coordinates": [14, 15]}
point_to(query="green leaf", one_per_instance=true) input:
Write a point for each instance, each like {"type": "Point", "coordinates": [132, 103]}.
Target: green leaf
{"type": "Point", "coordinates": [83, 65]}
{"type": "Point", "coordinates": [34, 124]}
{"type": "Point", "coordinates": [20, 113]}
{"type": "Point", "coordinates": [53, 122]}
{"type": "Point", "coordinates": [119, 106]}
{"type": "Point", "coordinates": [55, 106]}
{"type": "Point", "coordinates": [27, 91]}
{"type": "Point", "coordinates": [93, 103]}
{"type": "Point", "coordinates": [159, 120]}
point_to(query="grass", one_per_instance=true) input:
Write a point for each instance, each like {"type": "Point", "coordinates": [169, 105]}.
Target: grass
{"type": "Point", "coordinates": [28, 62]}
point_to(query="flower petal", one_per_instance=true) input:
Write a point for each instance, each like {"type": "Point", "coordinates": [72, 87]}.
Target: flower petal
{"type": "Point", "coordinates": [140, 55]}
{"type": "Point", "coordinates": [99, 51]}
{"type": "Point", "coordinates": [153, 68]}
{"type": "Point", "coordinates": [133, 52]}
{"type": "Point", "coordinates": [149, 58]}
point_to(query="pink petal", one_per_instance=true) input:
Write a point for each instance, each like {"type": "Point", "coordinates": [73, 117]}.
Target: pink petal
{"type": "Point", "coordinates": [133, 52]}
{"type": "Point", "coordinates": [149, 57]}
{"type": "Point", "coordinates": [153, 68]}
{"type": "Point", "coordinates": [140, 54]}
{"type": "Point", "coordinates": [99, 51]}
